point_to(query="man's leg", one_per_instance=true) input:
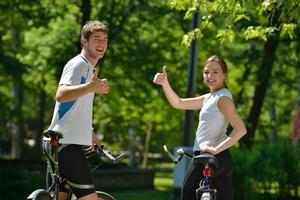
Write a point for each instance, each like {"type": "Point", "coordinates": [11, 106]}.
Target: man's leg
{"type": "Point", "coordinates": [92, 196]}
{"type": "Point", "coordinates": [62, 195]}
{"type": "Point", "coordinates": [75, 169]}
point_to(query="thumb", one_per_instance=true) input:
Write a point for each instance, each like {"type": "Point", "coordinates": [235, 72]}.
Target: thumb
{"type": "Point", "coordinates": [95, 75]}
{"type": "Point", "coordinates": [164, 69]}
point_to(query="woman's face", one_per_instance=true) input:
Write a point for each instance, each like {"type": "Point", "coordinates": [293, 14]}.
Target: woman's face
{"type": "Point", "coordinates": [214, 76]}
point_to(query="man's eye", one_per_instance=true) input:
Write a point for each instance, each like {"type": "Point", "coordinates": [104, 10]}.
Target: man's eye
{"type": "Point", "coordinates": [101, 40]}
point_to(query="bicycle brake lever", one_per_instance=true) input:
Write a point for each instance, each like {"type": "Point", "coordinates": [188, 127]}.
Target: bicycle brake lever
{"type": "Point", "coordinates": [106, 154]}
{"type": "Point", "coordinates": [119, 157]}
{"type": "Point", "coordinates": [175, 160]}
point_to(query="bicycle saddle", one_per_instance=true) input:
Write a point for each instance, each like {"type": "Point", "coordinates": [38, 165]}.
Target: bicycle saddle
{"type": "Point", "coordinates": [207, 159]}
{"type": "Point", "coordinates": [53, 134]}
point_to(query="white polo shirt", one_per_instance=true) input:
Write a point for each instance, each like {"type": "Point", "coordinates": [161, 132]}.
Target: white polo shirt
{"type": "Point", "coordinates": [74, 118]}
{"type": "Point", "coordinates": [212, 125]}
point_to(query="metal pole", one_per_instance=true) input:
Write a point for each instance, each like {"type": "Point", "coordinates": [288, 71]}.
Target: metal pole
{"type": "Point", "coordinates": [189, 115]}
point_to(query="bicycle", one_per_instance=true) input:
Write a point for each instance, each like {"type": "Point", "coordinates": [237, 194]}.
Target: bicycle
{"type": "Point", "coordinates": [209, 163]}
{"type": "Point", "coordinates": [52, 174]}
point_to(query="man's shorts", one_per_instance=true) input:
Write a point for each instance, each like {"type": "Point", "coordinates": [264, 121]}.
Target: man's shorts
{"type": "Point", "coordinates": [75, 171]}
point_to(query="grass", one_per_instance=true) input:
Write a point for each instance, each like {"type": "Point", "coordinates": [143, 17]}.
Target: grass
{"type": "Point", "coordinates": [162, 186]}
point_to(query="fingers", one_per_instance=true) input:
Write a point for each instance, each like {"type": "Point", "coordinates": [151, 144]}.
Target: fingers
{"type": "Point", "coordinates": [95, 75]}
{"type": "Point", "coordinates": [164, 69]}
{"type": "Point", "coordinates": [161, 78]}
{"type": "Point", "coordinates": [104, 86]}
{"type": "Point", "coordinates": [99, 85]}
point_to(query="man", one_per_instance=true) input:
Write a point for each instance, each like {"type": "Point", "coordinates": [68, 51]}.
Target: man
{"type": "Point", "coordinates": [73, 111]}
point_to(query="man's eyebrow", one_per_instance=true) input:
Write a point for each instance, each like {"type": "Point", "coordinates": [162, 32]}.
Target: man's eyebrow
{"type": "Point", "coordinates": [101, 37]}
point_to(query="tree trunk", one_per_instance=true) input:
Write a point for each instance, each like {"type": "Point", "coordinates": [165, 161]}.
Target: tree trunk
{"type": "Point", "coordinates": [86, 11]}
{"type": "Point", "coordinates": [147, 145]}
{"type": "Point", "coordinates": [40, 122]}
{"type": "Point", "coordinates": [19, 133]}
{"type": "Point", "coordinates": [85, 8]}
{"type": "Point", "coordinates": [263, 76]}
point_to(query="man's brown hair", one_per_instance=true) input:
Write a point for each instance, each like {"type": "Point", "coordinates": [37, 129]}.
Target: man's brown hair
{"type": "Point", "coordinates": [91, 27]}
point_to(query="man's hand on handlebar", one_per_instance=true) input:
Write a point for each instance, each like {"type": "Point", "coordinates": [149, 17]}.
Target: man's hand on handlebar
{"type": "Point", "coordinates": [95, 141]}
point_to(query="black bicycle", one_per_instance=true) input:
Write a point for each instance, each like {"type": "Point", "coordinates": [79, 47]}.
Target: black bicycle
{"type": "Point", "coordinates": [209, 163]}
{"type": "Point", "coordinates": [52, 175]}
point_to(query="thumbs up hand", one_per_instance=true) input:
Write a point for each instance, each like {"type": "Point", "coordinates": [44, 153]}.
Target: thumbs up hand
{"type": "Point", "coordinates": [161, 78]}
{"type": "Point", "coordinates": [95, 75]}
{"type": "Point", "coordinates": [99, 85]}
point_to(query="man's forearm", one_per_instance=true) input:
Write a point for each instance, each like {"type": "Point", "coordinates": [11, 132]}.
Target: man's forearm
{"type": "Point", "coordinates": [71, 92]}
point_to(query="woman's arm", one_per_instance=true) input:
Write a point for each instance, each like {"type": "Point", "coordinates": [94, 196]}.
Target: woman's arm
{"type": "Point", "coordinates": [227, 107]}
{"type": "Point", "coordinates": [174, 100]}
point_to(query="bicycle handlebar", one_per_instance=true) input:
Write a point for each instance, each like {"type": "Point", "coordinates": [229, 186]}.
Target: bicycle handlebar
{"type": "Point", "coordinates": [180, 153]}
{"type": "Point", "coordinates": [109, 155]}
{"type": "Point", "coordinates": [106, 154]}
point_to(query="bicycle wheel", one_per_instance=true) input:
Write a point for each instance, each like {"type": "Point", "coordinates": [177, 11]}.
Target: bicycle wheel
{"type": "Point", "coordinates": [104, 196]}
{"type": "Point", "coordinates": [101, 196]}
{"type": "Point", "coordinates": [39, 194]}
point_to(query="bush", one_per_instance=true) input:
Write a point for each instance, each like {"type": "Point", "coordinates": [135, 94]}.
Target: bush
{"type": "Point", "coordinates": [17, 184]}
{"type": "Point", "coordinates": [267, 171]}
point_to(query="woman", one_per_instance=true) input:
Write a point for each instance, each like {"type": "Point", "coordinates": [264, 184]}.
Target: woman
{"type": "Point", "coordinates": [217, 110]}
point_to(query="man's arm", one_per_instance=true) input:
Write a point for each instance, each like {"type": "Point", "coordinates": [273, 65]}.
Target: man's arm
{"type": "Point", "coordinates": [71, 92]}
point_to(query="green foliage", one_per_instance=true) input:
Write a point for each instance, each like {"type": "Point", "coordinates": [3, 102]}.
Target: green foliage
{"type": "Point", "coordinates": [39, 37]}
{"type": "Point", "coordinates": [194, 34]}
{"type": "Point", "coordinates": [258, 32]}
{"type": "Point", "coordinates": [134, 102]}
{"type": "Point", "coordinates": [288, 30]}
{"type": "Point", "coordinates": [16, 184]}
{"type": "Point", "coordinates": [268, 169]}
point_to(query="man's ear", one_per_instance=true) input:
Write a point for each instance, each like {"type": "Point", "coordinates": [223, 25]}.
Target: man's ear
{"type": "Point", "coordinates": [83, 40]}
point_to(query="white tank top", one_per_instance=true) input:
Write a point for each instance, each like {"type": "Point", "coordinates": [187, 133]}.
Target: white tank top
{"type": "Point", "coordinates": [212, 125]}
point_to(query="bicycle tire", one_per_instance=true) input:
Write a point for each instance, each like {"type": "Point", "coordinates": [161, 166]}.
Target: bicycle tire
{"type": "Point", "coordinates": [40, 195]}
{"type": "Point", "coordinates": [101, 195]}
{"type": "Point", "coordinates": [104, 196]}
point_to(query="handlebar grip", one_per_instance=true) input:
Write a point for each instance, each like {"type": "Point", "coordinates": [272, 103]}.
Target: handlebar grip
{"type": "Point", "coordinates": [180, 153]}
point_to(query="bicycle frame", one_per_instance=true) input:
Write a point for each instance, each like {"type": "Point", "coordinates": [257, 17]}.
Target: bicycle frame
{"type": "Point", "coordinates": [204, 192]}
{"type": "Point", "coordinates": [50, 149]}
{"type": "Point", "coordinates": [204, 185]}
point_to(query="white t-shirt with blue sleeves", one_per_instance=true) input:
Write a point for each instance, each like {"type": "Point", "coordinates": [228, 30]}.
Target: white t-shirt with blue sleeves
{"type": "Point", "coordinates": [74, 118]}
{"type": "Point", "coordinates": [212, 125]}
